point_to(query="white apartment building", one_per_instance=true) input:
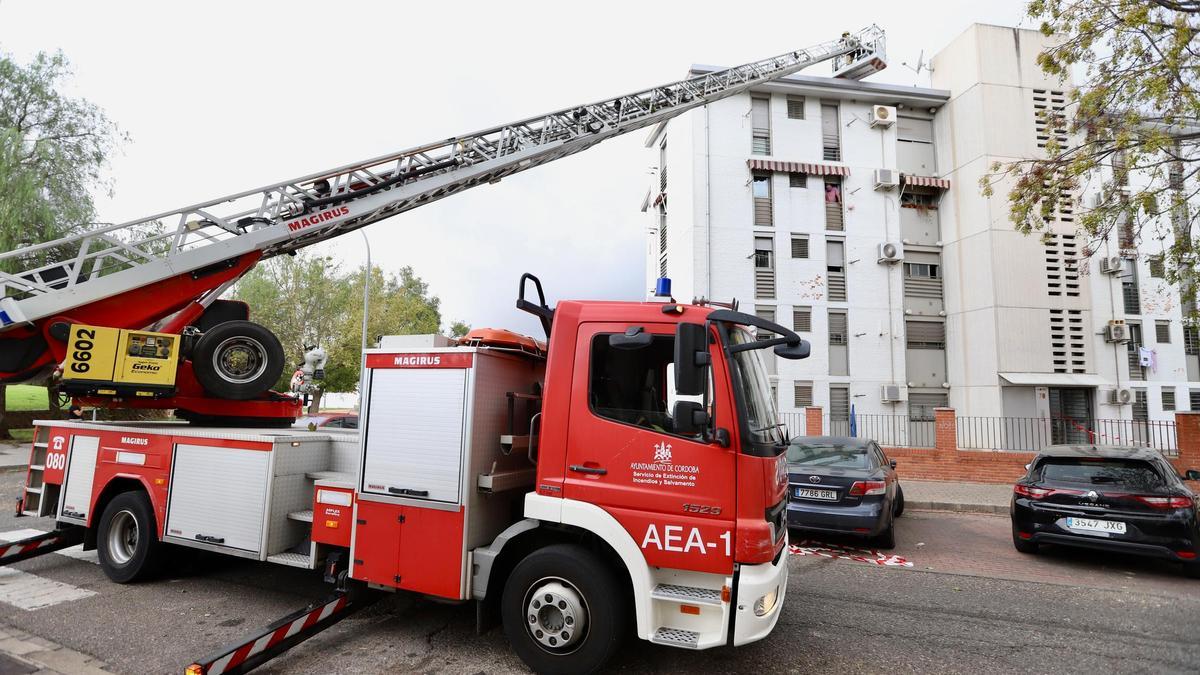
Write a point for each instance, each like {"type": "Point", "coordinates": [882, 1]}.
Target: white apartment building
{"type": "Point", "coordinates": [851, 211]}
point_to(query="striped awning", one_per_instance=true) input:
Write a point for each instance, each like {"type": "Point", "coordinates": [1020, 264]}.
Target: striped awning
{"type": "Point", "coordinates": [798, 167]}
{"type": "Point", "coordinates": [926, 181]}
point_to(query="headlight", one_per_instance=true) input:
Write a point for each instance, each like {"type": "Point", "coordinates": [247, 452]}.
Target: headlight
{"type": "Point", "coordinates": [766, 603]}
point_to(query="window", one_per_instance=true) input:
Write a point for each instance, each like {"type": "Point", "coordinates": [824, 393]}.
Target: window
{"type": "Point", "coordinates": [800, 246]}
{"type": "Point", "coordinates": [1194, 399]}
{"type": "Point", "coordinates": [921, 270]}
{"type": "Point", "coordinates": [830, 132]}
{"type": "Point", "coordinates": [834, 215]}
{"type": "Point", "coordinates": [764, 210]}
{"type": "Point", "coordinates": [925, 334]}
{"type": "Point", "coordinates": [1162, 332]}
{"type": "Point", "coordinates": [795, 105]}
{"type": "Point", "coordinates": [802, 319]}
{"type": "Point", "coordinates": [1129, 287]}
{"type": "Point", "coordinates": [1141, 412]}
{"type": "Point", "coordinates": [922, 198]}
{"type": "Point", "coordinates": [768, 313]}
{"type": "Point", "coordinates": [923, 279]}
{"type": "Point", "coordinates": [921, 406]}
{"type": "Point", "coordinates": [764, 266]}
{"type": "Point", "coordinates": [797, 180]}
{"type": "Point", "coordinates": [802, 394]}
{"type": "Point", "coordinates": [760, 122]}
{"type": "Point", "coordinates": [1157, 267]}
{"type": "Point", "coordinates": [1168, 399]}
{"type": "Point", "coordinates": [837, 328]}
{"type": "Point", "coordinates": [835, 260]}
{"type": "Point", "coordinates": [1120, 168]}
{"type": "Point", "coordinates": [839, 408]}
{"type": "Point", "coordinates": [632, 386]}
{"type": "Point", "coordinates": [1191, 340]}
{"type": "Point", "coordinates": [1136, 371]}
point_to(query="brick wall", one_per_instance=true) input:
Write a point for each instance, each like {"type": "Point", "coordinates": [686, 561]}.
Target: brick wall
{"type": "Point", "coordinates": [946, 461]}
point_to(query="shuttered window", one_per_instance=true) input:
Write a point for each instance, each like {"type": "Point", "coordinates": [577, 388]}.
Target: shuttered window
{"type": "Point", "coordinates": [913, 130]}
{"type": "Point", "coordinates": [831, 145]}
{"type": "Point", "coordinates": [1168, 399]}
{"type": "Point", "coordinates": [799, 246]}
{"type": "Point", "coordinates": [839, 402]}
{"type": "Point", "coordinates": [835, 256]}
{"type": "Point", "coordinates": [802, 319]}
{"type": "Point", "coordinates": [797, 180]}
{"type": "Point", "coordinates": [1157, 268]}
{"type": "Point", "coordinates": [925, 334]}
{"type": "Point", "coordinates": [922, 280]}
{"type": "Point", "coordinates": [1191, 340]}
{"type": "Point", "coordinates": [1141, 411]}
{"type": "Point", "coordinates": [764, 267]}
{"type": "Point", "coordinates": [768, 313]}
{"type": "Point", "coordinates": [837, 328]}
{"type": "Point", "coordinates": [802, 393]}
{"type": "Point", "coordinates": [1194, 399]}
{"type": "Point", "coordinates": [1162, 332]}
{"type": "Point", "coordinates": [760, 122]}
{"type": "Point", "coordinates": [795, 107]}
{"type": "Point", "coordinates": [760, 187]}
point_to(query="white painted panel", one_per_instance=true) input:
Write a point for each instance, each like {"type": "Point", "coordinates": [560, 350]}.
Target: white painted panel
{"type": "Point", "coordinates": [413, 438]}
{"type": "Point", "coordinates": [218, 492]}
{"type": "Point", "coordinates": [81, 469]}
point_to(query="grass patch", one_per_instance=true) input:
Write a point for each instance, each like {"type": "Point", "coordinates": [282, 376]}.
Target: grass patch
{"type": "Point", "coordinates": [22, 435]}
{"type": "Point", "coordinates": [26, 397]}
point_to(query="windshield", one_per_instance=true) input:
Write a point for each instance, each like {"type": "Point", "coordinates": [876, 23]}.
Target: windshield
{"type": "Point", "coordinates": [1125, 473]}
{"type": "Point", "coordinates": [761, 415]}
{"type": "Point", "coordinates": [839, 456]}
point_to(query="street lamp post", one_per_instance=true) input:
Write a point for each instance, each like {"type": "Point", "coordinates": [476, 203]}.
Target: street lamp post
{"type": "Point", "coordinates": [362, 368]}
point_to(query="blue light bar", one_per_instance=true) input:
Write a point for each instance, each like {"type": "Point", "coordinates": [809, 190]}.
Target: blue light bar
{"type": "Point", "coordinates": [662, 289]}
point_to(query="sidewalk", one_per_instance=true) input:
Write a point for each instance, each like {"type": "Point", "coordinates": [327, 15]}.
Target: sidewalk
{"type": "Point", "coordinates": [22, 653]}
{"type": "Point", "coordinates": [932, 495]}
{"type": "Point", "coordinates": [14, 455]}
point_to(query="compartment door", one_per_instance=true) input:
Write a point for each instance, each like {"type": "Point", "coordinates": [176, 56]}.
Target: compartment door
{"type": "Point", "coordinates": [413, 440]}
{"type": "Point", "coordinates": [81, 470]}
{"type": "Point", "coordinates": [218, 496]}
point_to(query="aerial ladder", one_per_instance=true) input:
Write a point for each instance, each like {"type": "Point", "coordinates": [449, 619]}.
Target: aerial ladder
{"type": "Point", "coordinates": [132, 315]}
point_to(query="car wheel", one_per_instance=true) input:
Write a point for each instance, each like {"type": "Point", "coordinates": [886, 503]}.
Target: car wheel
{"type": "Point", "coordinates": [563, 611]}
{"type": "Point", "coordinates": [887, 539]}
{"type": "Point", "coordinates": [238, 360]}
{"type": "Point", "coordinates": [899, 508]}
{"type": "Point", "coordinates": [1023, 545]}
{"type": "Point", "coordinates": [127, 539]}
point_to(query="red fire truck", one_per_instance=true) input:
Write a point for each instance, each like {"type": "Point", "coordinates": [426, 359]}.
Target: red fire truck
{"type": "Point", "coordinates": [629, 470]}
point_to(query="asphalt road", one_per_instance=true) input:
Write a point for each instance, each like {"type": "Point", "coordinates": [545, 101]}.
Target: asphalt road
{"type": "Point", "coordinates": [968, 603]}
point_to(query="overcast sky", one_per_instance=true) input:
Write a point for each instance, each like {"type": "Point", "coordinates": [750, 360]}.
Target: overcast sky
{"type": "Point", "coordinates": [220, 97]}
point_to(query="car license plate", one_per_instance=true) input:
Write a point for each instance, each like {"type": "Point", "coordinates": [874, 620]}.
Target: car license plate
{"type": "Point", "coordinates": [1094, 525]}
{"type": "Point", "coordinates": [810, 493]}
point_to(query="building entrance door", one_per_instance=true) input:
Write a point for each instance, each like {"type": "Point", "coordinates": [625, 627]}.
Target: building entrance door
{"type": "Point", "coordinates": [1071, 412]}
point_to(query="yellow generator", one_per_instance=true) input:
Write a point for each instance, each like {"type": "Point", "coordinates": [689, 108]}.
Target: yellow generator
{"type": "Point", "coordinates": [114, 362]}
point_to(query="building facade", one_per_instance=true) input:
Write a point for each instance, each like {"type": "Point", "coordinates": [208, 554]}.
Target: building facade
{"type": "Point", "coordinates": [851, 211]}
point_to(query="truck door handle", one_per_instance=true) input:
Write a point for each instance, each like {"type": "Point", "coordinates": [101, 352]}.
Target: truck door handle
{"type": "Point", "coordinates": [589, 469]}
{"type": "Point", "coordinates": [408, 492]}
{"type": "Point", "coordinates": [208, 538]}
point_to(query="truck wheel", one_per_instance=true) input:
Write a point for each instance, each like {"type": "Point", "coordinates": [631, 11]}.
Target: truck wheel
{"type": "Point", "coordinates": [127, 539]}
{"type": "Point", "coordinates": [563, 610]}
{"type": "Point", "coordinates": [238, 360]}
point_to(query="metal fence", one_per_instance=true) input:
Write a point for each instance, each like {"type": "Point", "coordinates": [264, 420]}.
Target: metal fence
{"type": "Point", "coordinates": [1034, 433]}
{"type": "Point", "coordinates": [1027, 434]}
{"type": "Point", "coordinates": [896, 431]}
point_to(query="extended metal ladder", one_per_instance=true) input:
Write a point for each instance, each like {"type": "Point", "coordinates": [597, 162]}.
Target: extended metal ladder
{"type": "Point", "coordinates": [287, 216]}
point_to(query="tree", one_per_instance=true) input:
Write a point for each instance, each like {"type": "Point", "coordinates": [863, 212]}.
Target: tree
{"type": "Point", "coordinates": [1137, 113]}
{"type": "Point", "coordinates": [53, 150]}
{"type": "Point", "coordinates": [459, 329]}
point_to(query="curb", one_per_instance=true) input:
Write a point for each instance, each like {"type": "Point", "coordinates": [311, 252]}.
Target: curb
{"type": "Point", "coordinates": [958, 507]}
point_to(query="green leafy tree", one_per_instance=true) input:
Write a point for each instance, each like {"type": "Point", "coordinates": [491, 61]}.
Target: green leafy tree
{"type": "Point", "coordinates": [53, 151]}
{"type": "Point", "coordinates": [1137, 113]}
{"type": "Point", "coordinates": [459, 329]}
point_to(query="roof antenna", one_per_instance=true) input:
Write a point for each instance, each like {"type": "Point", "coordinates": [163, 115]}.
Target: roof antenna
{"type": "Point", "coordinates": [922, 64]}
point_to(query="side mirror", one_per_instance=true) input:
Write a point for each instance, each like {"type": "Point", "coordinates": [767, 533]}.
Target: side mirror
{"type": "Point", "coordinates": [690, 418]}
{"type": "Point", "coordinates": [634, 337]}
{"type": "Point", "coordinates": [892, 463]}
{"type": "Point", "coordinates": [691, 359]}
{"type": "Point", "coordinates": [793, 351]}
{"type": "Point", "coordinates": [1191, 474]}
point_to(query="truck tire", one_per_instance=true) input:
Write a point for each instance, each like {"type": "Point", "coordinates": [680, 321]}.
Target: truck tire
{"type": "Point", "coordinates": [238, 360]}
{"type": "Point", "coordinates": [127, 539]}
{"type": "Point", "coordinates": [563, 610]}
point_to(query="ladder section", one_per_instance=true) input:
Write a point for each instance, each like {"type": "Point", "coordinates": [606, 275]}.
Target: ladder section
{"type": "Point", "coordinates": [291, 215]}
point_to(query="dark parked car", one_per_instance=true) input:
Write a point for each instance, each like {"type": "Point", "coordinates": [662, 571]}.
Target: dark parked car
{"type": "Point", "coordinates": [1110, 498]}
{"type": "Point", "coordinates": [840, 484]}
{"type": "Point", "coordinates": [329, 420]}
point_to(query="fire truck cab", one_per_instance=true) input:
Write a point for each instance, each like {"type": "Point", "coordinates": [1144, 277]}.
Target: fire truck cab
{"type": "Point", "coordinates": [632, 471]}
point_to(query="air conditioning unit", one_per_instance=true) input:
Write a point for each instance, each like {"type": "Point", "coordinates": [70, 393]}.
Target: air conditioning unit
{"type": "Point", "coordinates": [891, 252]}
{"type": "Point", "coordinates": [1121, 396]}
{"type": "Point", "coordinates": [890, 393]}
{"type": "Point", "coordinates": [1116, 331]}
{"type": "Point", "coordinates": [1113, 264]}
{"type": "Point", "coordinates": [886, 179]}
{"type": "Point", "coordinates": [883, 116]}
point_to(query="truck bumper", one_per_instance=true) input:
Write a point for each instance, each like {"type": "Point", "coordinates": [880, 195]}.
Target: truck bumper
{"type": "Point", "coordinates": [760, 592]}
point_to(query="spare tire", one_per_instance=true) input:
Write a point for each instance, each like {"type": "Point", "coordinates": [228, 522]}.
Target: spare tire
{"type": "Point", "coordinates": [238, 360]}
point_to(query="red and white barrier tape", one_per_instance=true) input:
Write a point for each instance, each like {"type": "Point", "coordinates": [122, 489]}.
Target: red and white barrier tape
{"type": "Point", "coordinates": [239, 655]}
{"type": "Point", "coordinates": [869, 556]}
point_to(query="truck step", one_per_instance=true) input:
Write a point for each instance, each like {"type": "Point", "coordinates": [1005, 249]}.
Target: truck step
{"type": "Point", "coordinates": [340, 476]}
{"type": "Point", "coordinates": [291, 560]}
{"type": "Point", "coordinates": [676, 637]}
{"type": "Point", "coordinates": [687, 594]}
{"type": "Point", "coordinates": [302, 516]}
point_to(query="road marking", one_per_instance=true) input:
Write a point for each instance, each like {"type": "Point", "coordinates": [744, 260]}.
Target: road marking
{"type": "Point", "coordinates": [29, 592]}
{"type": "Point", "coordinates": [15, 535]}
